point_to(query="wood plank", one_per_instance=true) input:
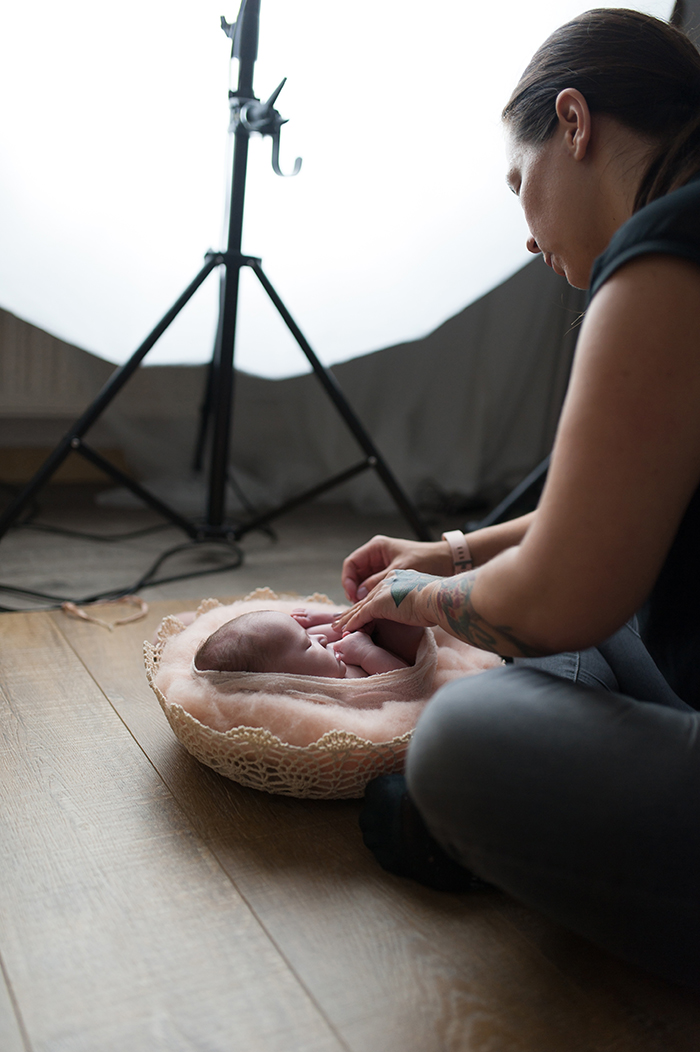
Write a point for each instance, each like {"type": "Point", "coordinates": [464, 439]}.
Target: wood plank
{"type": "Point", "coordinates": [669, 1015]}
{"type": "Point", "coordinates": [393, 965]}
{"type": "Point", "coordinates": [119, 928]}
{"type": "Point", "coordinates": [11, 1039]}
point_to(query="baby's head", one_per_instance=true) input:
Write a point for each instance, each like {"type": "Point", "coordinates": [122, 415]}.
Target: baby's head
{"type": "Point", "coordinates": [267, 641]}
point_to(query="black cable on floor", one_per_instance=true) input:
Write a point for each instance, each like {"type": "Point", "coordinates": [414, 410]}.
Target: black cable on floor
{"type": "Point", "coordinates": [29, 523]}
{"type": "Point", "coordinates": [102, 538]}
{"type": "Point", "coordinates": [147, 580]}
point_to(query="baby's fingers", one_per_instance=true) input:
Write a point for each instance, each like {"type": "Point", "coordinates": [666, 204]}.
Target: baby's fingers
{"type": "Point", "coordinates": [326, 630]}
{"type": "Point", "coordinates": [308, 618]}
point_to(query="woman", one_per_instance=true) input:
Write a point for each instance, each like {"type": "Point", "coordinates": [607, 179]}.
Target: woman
{"type": "Point", "coordinates": [571, 776]}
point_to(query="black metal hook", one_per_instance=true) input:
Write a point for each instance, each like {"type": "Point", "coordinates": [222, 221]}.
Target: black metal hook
{"type": "Point", "coordinates": [263, 118]}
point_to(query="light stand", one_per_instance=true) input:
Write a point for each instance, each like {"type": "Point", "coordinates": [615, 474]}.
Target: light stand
{"type": "Point", "coordinates": [248, 115]}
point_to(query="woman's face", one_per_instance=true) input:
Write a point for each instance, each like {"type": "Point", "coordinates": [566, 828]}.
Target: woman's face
{"type": "Point", "coordinates": [558, 199]}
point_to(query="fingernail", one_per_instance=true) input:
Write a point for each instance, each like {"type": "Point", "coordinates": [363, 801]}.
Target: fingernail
{"type": "Point", "coordinates": [361, 592]}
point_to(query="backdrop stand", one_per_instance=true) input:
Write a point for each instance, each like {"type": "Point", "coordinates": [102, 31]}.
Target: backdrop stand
{"type": "Point", "coordinates": [526, 494]}
{"type": "Point", "coordinates": [248, 115]}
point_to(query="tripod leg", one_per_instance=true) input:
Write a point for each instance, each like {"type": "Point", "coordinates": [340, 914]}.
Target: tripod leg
{"type": "Point", "coordinates": [336, 395]}
{"type": "Point", "coordinates": [207, 406]}
{"type": "Point", "coordinates": [113, 386]}
{"type": "Point", "coordinates": [527, 488]}
{"type": "Point", "coordinates": [147, 498]}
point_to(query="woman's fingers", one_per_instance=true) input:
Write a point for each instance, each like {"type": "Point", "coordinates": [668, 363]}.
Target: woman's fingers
{"type": "Point", "coordinates": [368, 565]}
{"type": "Point", "coordinates": [405, 596]}
{"type": "Point", "coordinates": [401, 562]}
{"type": "Point", "coordinates": [355, 568]}
{"type": "Point", "coordinates": [354, 618]}
{"type": "Point", "coordinates": [378, 605]}
{"type": "Point", "coordinates": [371, 583]}
{"type": "Point", "coordinates": [370, 559]}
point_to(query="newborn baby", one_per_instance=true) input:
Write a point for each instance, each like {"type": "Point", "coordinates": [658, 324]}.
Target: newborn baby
{"type": "Point", "coordinates": [306, 644]}
{"type": "Point", "coordinates": [197, 681]}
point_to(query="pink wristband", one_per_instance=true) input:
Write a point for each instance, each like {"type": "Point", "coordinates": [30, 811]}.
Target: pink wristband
{"type": "Point", "coordinates": [461, 556]}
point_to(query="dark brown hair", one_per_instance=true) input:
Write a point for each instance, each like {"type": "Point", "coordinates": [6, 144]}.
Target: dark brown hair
{"type": "Point", "coordinates": [630, 66]}
{"type": "Point", "coordinates": [240, 645]}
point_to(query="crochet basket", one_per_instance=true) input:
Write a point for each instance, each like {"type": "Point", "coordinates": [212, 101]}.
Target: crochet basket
{"type": "Point", "coordinates": [337, 766]}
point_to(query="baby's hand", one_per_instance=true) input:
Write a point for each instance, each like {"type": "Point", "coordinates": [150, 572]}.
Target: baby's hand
{"type": "Point", "coordinates": [354, 648]}
{"type": "Point", "coordinates": [310, 619]}
{"type": "Point", "coordinates": [327, 633]}
{"type": "Point", "coordinates": [357, 648]}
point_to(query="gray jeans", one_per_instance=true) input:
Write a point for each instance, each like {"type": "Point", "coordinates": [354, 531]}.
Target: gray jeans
{"type": "Point", "coordinates": [573, 783]}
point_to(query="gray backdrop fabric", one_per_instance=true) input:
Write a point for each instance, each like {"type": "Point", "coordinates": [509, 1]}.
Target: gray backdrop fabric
{"type": "Point", "coordinates": [469, 409]}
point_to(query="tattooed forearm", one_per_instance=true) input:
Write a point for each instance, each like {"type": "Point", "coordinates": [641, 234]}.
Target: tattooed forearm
{"type": "Point", "coordinates": [456, 610]}
{"type": "Point", "coordinates": [450, 606]}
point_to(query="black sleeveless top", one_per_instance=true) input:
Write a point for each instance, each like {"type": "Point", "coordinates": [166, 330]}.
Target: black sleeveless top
{"type": "Point", "coordinates": [670, 619]}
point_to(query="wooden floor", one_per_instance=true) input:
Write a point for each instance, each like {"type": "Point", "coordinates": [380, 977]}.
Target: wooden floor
{"type": "Point", "coordinates": [146, 903]}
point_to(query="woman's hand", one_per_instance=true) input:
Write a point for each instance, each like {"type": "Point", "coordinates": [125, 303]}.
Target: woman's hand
{"type": "Point", "coordinates": [401, 595]}
{"type": "Point", "coordinates": [366, 566]}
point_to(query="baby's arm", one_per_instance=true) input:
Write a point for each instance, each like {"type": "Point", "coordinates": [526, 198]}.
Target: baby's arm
{"type": "Point", "coordinates": [318, 623]}
{"type": "Point", "coordinates": [402, 640]}
{"type": "Point", "coordinates": [356, 648]}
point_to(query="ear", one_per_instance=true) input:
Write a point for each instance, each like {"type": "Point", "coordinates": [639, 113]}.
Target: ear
{"type": "Point", "coordinates": [574, 122]}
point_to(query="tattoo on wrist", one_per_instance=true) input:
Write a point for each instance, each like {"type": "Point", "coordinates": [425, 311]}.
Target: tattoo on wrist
{"type": "Point", "coordinates": [406, 581]}
{"type": "Point", "coordinates": [454, 602]}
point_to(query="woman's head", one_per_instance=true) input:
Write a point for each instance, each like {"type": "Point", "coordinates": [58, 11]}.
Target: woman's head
{"type": "Point", "coordinates": [638, 70]}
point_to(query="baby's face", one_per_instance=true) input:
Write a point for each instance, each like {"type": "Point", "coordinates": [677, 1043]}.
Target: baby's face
{"type": "Point", "coordinates": [306, 655]}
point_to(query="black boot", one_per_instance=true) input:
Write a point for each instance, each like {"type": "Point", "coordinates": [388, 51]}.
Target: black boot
{"type": "Point", "coordinates": [396, 834]}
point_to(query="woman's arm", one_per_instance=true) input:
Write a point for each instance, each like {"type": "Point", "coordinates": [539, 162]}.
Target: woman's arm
{"type": "Point", "coordinates": [625, 464]}
{"type": "Point", "coordinates": [489, 542]}
{"type": "Point", "coordinates": [367, 565]}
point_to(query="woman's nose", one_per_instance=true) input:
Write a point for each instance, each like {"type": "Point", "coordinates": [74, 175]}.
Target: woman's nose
{"type": "Point", "coordinates": [532, 246]}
